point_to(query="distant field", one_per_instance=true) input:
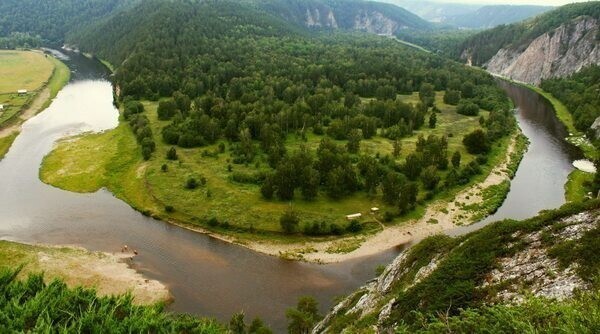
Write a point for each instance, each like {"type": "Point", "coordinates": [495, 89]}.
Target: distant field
{"type": "Point", "coordinates": [23, 70]}
{"type": "Point", "coordinates": [113, 160]}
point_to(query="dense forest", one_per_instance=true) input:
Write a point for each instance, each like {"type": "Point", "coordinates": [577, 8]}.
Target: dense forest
{"type": "Point", "coordinates": [53, 20]}
{"type": "Point", "coordinates": [581, 94]}
{"type": "Point", "coordinates": [484, 45]}
{"type": "Point", "coordinates": [234, 73]}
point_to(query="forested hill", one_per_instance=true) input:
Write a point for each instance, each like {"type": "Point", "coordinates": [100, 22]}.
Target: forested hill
{"type": "Point", "coordinates": [492, 16]}
{"type": "Point", "coordinates": [374, 17]}
{"type": "Point", "coordinates": [52, 20]}
{"type": "Point", "coordinates": [483, 46]}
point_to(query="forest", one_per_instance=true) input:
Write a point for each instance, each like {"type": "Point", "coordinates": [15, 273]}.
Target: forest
{"type": "Point", "coordinates": [243, 81]}
{"type": "Point", "coordinates": [581, 94]}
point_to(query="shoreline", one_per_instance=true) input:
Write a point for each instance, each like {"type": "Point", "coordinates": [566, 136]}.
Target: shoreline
{"type": "Point", "coordinates": [444, 212]}
{"type": "Point", "coordinates": [108, 273]}
{"type": "Point", "coordinates": [43, 98]}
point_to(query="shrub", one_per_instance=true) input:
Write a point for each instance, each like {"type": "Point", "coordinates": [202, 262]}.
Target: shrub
{"type": "Point", "coordinates": [354, 226]}
{"type": "Point", "coordinates": [172, 154]}
{"type": "Point", "coordinates": [213, 222]}
{"type": "Point", "coordinates": [476, 142]}
{"type": "Point", "coordinates": [191, 183]}
{"type": "Point", "coordinates": [169, 209]}
{"type": "Point", "coordinates": [289, 221]}
{"type": "Point", "coordinates": [164, 167]}
{"type": "Point", "coordinates": [468, 109]}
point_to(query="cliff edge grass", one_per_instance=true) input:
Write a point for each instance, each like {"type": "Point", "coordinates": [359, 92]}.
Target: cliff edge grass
{"type": "Point", "coordinates": [113, 160]}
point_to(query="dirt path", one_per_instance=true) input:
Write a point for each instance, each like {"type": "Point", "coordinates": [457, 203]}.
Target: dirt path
{"type": "Point", "coordinates": [444, 215]}
{"type": "Point", "coordinates": [31, 111]}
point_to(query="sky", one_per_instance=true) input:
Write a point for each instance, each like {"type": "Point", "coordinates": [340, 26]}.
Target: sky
{"type": "Point", "coordinates": [516, 2]}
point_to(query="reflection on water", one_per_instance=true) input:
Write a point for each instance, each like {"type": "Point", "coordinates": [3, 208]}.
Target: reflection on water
{"type": "Point", "coordinates": [539, 181]}
{"type": "Point", "coordinates": [206, 276]}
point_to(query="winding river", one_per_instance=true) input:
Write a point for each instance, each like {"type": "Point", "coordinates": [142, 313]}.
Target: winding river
{"type": "Point", "coordinates": [208, 276]}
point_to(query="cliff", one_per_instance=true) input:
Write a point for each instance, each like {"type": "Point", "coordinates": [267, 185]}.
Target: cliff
{"type": "Point", "coordinates": [558, 53]}
{"type": "Point", "coordinates": [503, 264]}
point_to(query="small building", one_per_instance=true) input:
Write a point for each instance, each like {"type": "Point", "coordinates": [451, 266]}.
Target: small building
{"type": "Point", "coordinates": [22, 91]}
{"type": "Point", "coordinates": [354, 216]}
{"type": "Point", "coordinates": [1, 107]}
{"type": "Point", "coordinates": [374, 210]}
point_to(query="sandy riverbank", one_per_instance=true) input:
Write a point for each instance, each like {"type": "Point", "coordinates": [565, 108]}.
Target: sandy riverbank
{"type": "Point", "coordinates": [446, 216]}
{"type": "Point", "coordinates": [109, 274]}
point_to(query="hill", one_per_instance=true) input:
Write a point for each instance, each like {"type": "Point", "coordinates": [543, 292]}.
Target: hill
{"type": "Point", "coordinates": [492, 16]}
{"type": "Point", "coordinates": [54, 19]}
{"type": "Point", "coordinates": [556, 43]}
{"type": "Point", "coordinates": [373, 17]}
{"type": "Point", "coordinates": [471, 16]}
{"type": "Point", "coordinates": [535, 275]}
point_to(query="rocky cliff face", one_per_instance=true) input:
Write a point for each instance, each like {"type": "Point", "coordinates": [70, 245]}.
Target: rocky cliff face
{"type": "Point", "coordinates": [558, 53]}
{"type": "Point", "coordinates": [525, 264]}
{"type": "Point", "coordinates": [370, 21]}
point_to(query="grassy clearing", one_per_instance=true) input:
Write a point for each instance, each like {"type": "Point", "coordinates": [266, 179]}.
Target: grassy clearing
{"type": "Point", "coordinates": [113, 160]}
{"type": "Point", "coordinates": [6, 143]}
{"type": "Point", "coordinates": [29, 70]}
{"type": "Point", "coordinates": [23, 70]}
{"type": "Point", "coordinates": [575, 188]}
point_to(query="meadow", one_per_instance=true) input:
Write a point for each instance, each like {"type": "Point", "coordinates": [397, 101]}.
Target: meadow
{"type": "Point", "coordinates": [157, 187]}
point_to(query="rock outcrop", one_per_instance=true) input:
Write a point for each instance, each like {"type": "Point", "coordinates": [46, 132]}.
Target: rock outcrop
{"type": "Point", "coordinates": [558, 53]}
{"type": "Point", "coordinates": [524, 266]}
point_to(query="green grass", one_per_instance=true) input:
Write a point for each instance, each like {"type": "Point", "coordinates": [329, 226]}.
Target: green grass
{"type": "Point", "coordinates": [23, 70]}
{"type": "Point", "coordinates": [26, 69]}
{"type": "Point", "coordinates": [33, 306]}
{"type": "Point", "coordinates": [113, 160]}
{"type": "Point", "coordinates": [575, 188]}
{"type": "Point", "coordinates": [6, 143]}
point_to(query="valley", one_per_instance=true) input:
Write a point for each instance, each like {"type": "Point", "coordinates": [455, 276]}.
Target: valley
{"type": "Point", "coordinates": [299, 166]}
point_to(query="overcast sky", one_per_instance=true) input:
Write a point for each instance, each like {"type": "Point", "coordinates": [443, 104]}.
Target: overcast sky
{"type": "Point", "coordinates": [517, 2]}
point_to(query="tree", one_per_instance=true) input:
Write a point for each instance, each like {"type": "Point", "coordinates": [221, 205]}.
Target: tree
{"type": "Point", "coordinates": [408, 196]}
{"type": "Point", "coordinates": [257, 326]}
{"type": "Point", "coordinates": [191, 183]}
{"type": "Point", "coordinates": [430, 177]}
{"type": "Point", "coordinates": [467, 108]}
{"type": "Point", "coordinates": [476, 142]}
{"type": "Point", "coordinates": [452, 97]}
{"type": "Point", "coordinates": [397, 148]}
{"type": "Point", "coordinates": [172, 154]}
{"type": "Point", "coordinates": [432, 120]}
{"type": "Point", "coordinates": [391, 186]}
{"type": "Point", "coordinates": [456, 159]}
{"type": "Point", "coordinates": [303, 317]}
{"type": "Point", "coordinates": [309, 183]}
{"type": "Point", "coordinates": [413, 166]}
{"type": "Point", "coordinates": [354, 138]}
{"type": "Point", "coordinates": [427, 94]}
{"type": "Point", "coordinates": [289, 221]}
{"type": "Point", "coordinates": [166, 109]}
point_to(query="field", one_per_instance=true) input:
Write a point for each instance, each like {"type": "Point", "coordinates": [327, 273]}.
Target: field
{"type": "Point", "coordinates": [113, 160]}
{"type": "Point", "coordinates": [21, 70]}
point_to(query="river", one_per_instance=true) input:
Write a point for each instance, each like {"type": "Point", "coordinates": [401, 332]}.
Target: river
{"type": "Point", "coordinates": [208, 276]}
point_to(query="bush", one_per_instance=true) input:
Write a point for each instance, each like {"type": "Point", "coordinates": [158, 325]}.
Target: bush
{"type": "Point", "coordinates": [213, 222]}
{"type": "Point", "coordinates": [452, 97]}
{"type": "Point", "coordinates": [467, 109]}
{"type": "Point", "coordinates": [191, 183]}
{"type": "Point", "coordinates": [164, 167]}
{"type": "Point", "coordinates": [476, 142]}
{"type": "Point", "coordinates": [169, 209]}
{"type": "Point", "coordinates": [289, 222]}
{"type": "Point", "coordinates": [354, 227]}
{"type": "Point", "coordinates": [172, 154]}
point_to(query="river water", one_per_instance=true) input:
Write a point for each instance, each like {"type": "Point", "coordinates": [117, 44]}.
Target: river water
{"type": "Point", "coordinates": [207, 276]}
